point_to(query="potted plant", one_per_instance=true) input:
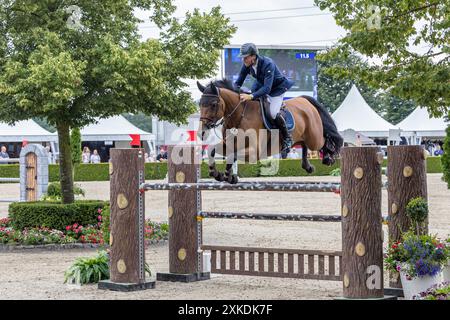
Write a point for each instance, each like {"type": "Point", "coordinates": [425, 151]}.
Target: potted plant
{"type": "Point", "coordinates": [437, 292]}
{"type": "Point", "coordinates": [417, 211]}
{"type": "Point", "coordinates": [446, 269]}
{"type": "Point", "coordinates": [419, 259]}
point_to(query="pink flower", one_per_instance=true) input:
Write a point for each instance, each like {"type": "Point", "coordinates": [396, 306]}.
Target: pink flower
{"type": "Point", "coordinates": [398, 268]}
{"type": "Point", "coordinates": [99, 210]}
{"type": "Point", "coordinates": [99, 224]}
{"type": "Point", "coordinates": [68, 228]}
{"type": "Point", "coordinates": [75, 225]}
{"type": "Point", "coordinates": [99, 218]}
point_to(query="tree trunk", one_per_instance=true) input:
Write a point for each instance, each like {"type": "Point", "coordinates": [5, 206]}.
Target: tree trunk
{"type": "Point", "coordinates": [65, 163]}
{"type": "Point", "coordinates": [362, 243]}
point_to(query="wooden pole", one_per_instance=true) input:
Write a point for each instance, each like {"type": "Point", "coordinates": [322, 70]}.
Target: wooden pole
{"type": "Point", "coordinates": [362, 243]}
{"type": "Point", "coordinates": [127, 256]}
{"type": "Point", "coordinates": [407, 179]}
{"type": "Point", "coordinates": [185, 231]}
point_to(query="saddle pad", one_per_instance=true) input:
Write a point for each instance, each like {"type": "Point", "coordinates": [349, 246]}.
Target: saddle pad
{"type": "Point", "coordinates": [285, 113]}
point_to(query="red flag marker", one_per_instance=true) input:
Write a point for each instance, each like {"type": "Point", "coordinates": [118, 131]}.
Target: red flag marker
{"type": "Point", "coordinates": [136, 140]}
{"type": "Point", "coordinates": [192, 135]}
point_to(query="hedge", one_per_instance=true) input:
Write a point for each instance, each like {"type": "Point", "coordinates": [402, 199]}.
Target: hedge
{"type": "Point", "coordinates": [54, 215]}
{"type": "Point", "coordinates": [158, 170]}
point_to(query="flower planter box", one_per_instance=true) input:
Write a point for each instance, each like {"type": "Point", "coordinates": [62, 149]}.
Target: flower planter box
{"type": "Point", "coordinates": [446, 273]}
{"type": "Point", "coordinates": [416, 285]}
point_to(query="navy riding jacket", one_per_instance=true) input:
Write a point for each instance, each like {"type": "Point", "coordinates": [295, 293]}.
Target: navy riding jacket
{"type": "Point", "coordinates": [269, 79]}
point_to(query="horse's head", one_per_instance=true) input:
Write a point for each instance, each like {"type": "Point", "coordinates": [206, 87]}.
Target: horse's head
{"type": "Point", "coordinates": [212, 106]}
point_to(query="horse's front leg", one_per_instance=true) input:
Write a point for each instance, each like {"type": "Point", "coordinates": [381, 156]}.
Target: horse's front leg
{"type": "Point", "coordinates": [229, 176]}
{"type": "Point", "coordinates": [213, 172]}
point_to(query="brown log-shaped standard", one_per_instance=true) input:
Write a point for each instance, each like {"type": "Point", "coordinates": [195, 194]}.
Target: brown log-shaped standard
{"type": "Point", "coordinates": [127, 262]}
{"type": "Point", "coordinates": [183, 231]}
{"type": "Point", "coordinates": [362, 244]}
{"type": "Point", "coordinates": [407, 179]}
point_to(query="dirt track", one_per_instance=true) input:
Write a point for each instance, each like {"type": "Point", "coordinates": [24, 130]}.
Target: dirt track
{"type": "Point", "coordinates": [39, 274]}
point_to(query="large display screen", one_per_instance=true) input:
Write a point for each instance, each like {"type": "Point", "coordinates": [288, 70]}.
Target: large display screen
{"type": "Point", "coordinates": [297, 65]}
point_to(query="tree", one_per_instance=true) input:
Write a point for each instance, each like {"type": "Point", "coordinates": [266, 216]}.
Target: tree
{"type": "Point", "coordinates": [56, 66]}
{"type": "Point", "coordinates": [140, 120]}
{"type": "Point", "coordinates": [75, 145]}
{"type": "Point", "coordinates": [332, 89]}
{"type": "Point", "coordinates": [387, 33]}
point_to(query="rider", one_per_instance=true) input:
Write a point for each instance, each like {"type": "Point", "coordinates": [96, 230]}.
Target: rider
{"type": "Point", "coordinates": [269, 82]}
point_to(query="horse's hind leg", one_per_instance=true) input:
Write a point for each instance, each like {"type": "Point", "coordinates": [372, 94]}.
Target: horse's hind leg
{"type": "Point", "coordinates": [305, 162]}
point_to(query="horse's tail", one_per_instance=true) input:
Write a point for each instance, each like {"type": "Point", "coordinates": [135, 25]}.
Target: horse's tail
{"type": "Point", "coordinates": [333, 140]}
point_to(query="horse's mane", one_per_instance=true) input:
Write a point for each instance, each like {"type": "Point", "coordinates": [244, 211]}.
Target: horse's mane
{"type": "Point", "coordinates": [225, 84]}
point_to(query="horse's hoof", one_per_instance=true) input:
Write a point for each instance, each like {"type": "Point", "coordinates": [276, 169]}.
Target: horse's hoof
{"type": "Point", "coordinates": [328, 161]}
{"type": "Point", "coordinates": [234, 179]}
{"type": "Point", "coordinates": [309, 169]}
{"type": "Point", "coordinates": [217, 175]}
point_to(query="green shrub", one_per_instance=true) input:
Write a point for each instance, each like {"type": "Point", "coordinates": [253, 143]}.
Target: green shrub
{"type": "Point", "coordinates": [88, 270]}
{"type": "Point", "coordinates": [417, 212]}
{"type": "Point", "coordinates": [106, 218]}
{"type": "Point", "coordinates": [54, 215]}
{"type": "Point", "coordinates": [54, 191]}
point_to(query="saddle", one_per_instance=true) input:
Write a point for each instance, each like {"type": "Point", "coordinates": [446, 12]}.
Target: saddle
{"type": "Point", "coordinates": [267, 120]}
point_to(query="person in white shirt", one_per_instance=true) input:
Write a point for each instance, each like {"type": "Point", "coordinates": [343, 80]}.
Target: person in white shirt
{"type": "Point", "coordinates": [95, 158]}
{"type": "Point", "coordinates": [86, 156]}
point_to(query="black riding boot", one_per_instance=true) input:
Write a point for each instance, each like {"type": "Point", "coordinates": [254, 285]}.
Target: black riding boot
{"type": "Point", "coordinates": [285, 135]}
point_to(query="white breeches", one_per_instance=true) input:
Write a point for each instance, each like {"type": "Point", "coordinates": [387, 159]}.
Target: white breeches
{"type": "Point", "coordinates": [275, 105]}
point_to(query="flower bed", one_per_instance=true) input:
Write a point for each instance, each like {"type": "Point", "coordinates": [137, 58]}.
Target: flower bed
{"type": "Point", "coordinates": [73, 234]}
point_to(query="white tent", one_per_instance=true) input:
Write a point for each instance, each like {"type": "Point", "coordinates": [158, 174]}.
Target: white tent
{"type": "Point", "coordinates": [354, 113]}
{"type": "Point", "coordinates": [420, 123]}
{"type": "Point", "coordinates": [25, 130]}
{"type": "Point", "coordinates": [116, 129]}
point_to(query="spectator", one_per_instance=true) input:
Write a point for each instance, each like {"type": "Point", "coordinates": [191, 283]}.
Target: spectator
{"type": "Point", "coordinates": [49, 155]}
{"type": "Point", "coordinates": [162, 155]}
{"type": "Point", "coordinates": [152, 157]}
{"type": "Point", "coordinates": [3, 153]}
{"type": "Point", "coordinates": [95, 158]}
{"type": "Point", "coordinates": [146, 157]}
{"type": "Point", "coordinates": [86, 155]}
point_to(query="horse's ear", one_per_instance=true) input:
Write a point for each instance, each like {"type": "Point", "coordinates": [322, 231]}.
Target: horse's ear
{"type": "Point", "coordinates": [200, 87]}
{"type": "Point", "coordinates": [214, 89]}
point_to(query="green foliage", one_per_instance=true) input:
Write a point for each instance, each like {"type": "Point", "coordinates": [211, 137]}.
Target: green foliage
{"type": "Point", "coordinates": [70, 77]}
{"type": "Point", "coordinates": [333, 88]}
{"type": "Point", "coordinates": [88, 270]}
{"type": "Point", "coordinates": [445, 159]}
{"type": "Point", "coordinates": [140, 120]}
{"type": "Point", "coordinates": [106, 221]}
{"type": "Point", "coordinates": [54, 215]}
{"type": "Point", "coordinates": [44, 124]}
{"type": "Point", "coordinates": [75, 145]}
{"type": "Point", "coordinates": [417, 212]}
{"type": "Point", "coordinates": [54, 191]}
{"type": "Point", "coordinates": [336, 172]}
{"type": "Point", "coordinates": [401, 71]}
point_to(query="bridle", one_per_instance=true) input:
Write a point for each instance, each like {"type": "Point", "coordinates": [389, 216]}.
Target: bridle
{"type": "Point", "coordinates": [211, 124]}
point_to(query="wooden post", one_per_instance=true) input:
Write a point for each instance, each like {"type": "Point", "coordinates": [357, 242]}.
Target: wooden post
{"type": "Point", "coordinates": [407, 179]}
{"type": "Point", "coordinates": [362, 243]}
{"type": "Point", "coordinates": [185, 231]}
{"type": "Point", "coordinates": [127, 257]}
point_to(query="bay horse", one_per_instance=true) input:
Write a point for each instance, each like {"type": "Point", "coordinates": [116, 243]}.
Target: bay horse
{"type": "Point", "coordinates": [314, 128]}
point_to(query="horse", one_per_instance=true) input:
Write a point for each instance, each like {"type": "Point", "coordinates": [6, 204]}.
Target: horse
{"type": "Point", "coordinates": [220, 104]}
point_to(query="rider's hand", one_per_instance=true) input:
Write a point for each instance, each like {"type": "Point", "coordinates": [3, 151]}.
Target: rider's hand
{"type": "Point", "coordinates": [246, 97]}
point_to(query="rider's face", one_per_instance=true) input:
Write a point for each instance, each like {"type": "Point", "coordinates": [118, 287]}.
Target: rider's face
{"type": "Point", "coordinates": [249, 60]}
